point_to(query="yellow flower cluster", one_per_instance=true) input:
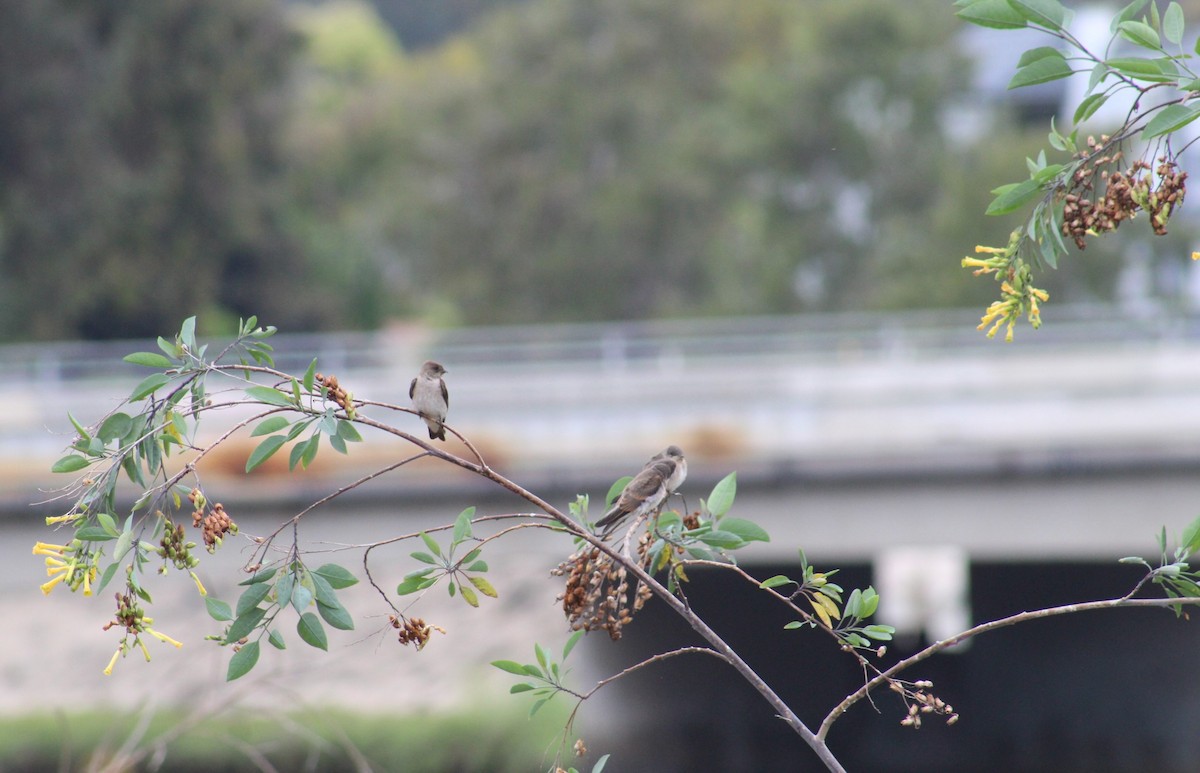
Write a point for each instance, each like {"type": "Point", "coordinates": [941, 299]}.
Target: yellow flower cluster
{"type": "Point", "coordinates": [65, 563]}
{"type": "Point", "coordinates": [1018, 296]}
{"type": "Point", "coordinates": [132, 618]}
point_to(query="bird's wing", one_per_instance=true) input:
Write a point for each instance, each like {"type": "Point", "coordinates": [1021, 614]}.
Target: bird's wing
{"type": "Point", "coordinates": [412, 388]}
{"type": "Point", "coordinates": [445, 392]}
{"type": "Point", "coordinates": [645, 484]}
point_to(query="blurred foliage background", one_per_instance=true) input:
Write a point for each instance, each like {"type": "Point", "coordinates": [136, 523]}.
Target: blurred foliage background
{"type": "Point", "coordinates": [339, 165]}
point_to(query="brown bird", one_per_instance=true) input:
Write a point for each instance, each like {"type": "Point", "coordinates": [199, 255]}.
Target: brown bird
{"type": "Point", "coordinates": [430, 398]}
{"type": "Point", "coordinates": [648, 490]}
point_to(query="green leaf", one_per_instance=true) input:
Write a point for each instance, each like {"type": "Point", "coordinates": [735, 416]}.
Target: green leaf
{"type": "Point", "coordinates": [794, 625]}
{"type": "Point", "coordinates": [336, 576]}
{"type": "Point", "coordinates": [168, 348]}
{"type": "Point", "coordinates": [721, 498]}
{"type": "Point", "coordinates": [1172, 23]}
{"type": "Point", "coordinates": [996, 14]}
{"type": "Point", "coordinates": [1046, 13]}
{"type": "Point", "coordinates": [264, 451]}
{"type": "Point", "coordinates": [1140, 33]}
{"type": "Point", "coordinates": [424, 557]}
{"type": "Point", "coordinates": [1050, 68]}
{"type": "Point", "coordinates": [262, 576]}
{"type": "Point", "coordinates": [747, 530]}
{"type": "Point", "coordinates": [462, 524]}
{"type": "Point", "coordinates": [310, 450]}
{"type": "Point", "coordinates": [245, 624]}
{"type": "Point", "coordinates": [1140, 68]}
{"type": "Point", "coordinates": [1088, 107]}
{"type": "Point", "coordinates": [879, 632]}
{"type": "Point", "coordinates": [93, 534]}
{"type": "Point", "coordinates": [1170, 119]}
{"type": "Point", "coordinates": [276, 639]}
{"type": "Point", "coordinates": [468, 595]}
{"type": "Point", "coordinates": [1191, 537]}
{"type": "Point", "coordinates": [347, 432]}
{"type": "Point", "coordinates": [284, 587]}
{"type": "Point", "coordinates": [572, 640]}
{"type": "Point", "coordinates": [511, 666]}
{"type": "Point", "coordinates": [187, 333]}
{"type": "Point", "coordinates": [484, 586]}
{"type": "Point", "coordinates": [310, 375]}
{"type": "Point", "coordinates": [218, 610]}
{"type": "Point", "coordinates": [411, 585]}
{"type": "Point", "coordinates": [124, 542]}
{"type": "Point", "coordinates": [432, 544]}
{"type": "Point", "coordinates": [270, 396]}
{"type": "Point", "coordinates": [302, 596]}
{"type": "Point", "coordinates": [324, 591]}
{"type": "Point", "coordinates": [149, 385]}
{"type": "Point", "coordinates": [722, 539]}
{"type": "Point", "coordinates": [106, 578]}
{"type": "Point", "coordinates": [776, 581]}
{"type": "Point", "coordinates": [600, 763]}
{"type": "Point", "coordinates": [70, 463]}
{"type": "Point", "coordinates": [336, 616]}
{"type": "Point", "coordinates": [252, 597]}
{"type": "Point", "coordinates": [615, 490]}
{"type": "Point", "coordinates": [1013, 197]}
{"type": "Point", "coordinates": [478, 566]}
{"type": "Point", "coordinates": [148, 359]}
{"type": "Point", "coordinates": [115, 427]}
{"type": "Point", "coordinates": [269, 425]}
{"type": "Point", "coordinates": [108, 524]}
{"type": "Point", "coordinates": [311, 631]}
{"type": "Point", "coordinates": [242, 661]}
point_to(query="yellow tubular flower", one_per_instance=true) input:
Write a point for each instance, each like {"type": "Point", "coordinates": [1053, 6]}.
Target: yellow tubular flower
{"type": "Point", "coordinates": [47, 549]}
{"type": "Point", "coordinates": [113, 661]}
{"type": "Point", "coordinates": [145, 651]}
{"type": "Point", "coordinates": [53, 519]}
{"type": "Point", "coordinates": [199, 585]}
{"type": "Point", "coordinates": [49, 586]}
{"type": "Point", "coordinates": [162, 637]}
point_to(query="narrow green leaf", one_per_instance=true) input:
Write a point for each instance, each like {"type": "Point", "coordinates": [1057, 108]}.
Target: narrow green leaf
{"type": "Point", "coordinates": [468, 595]}
{"type": "Point", "coordinates": [269, 425]}
{"type": "Point", "coordinates": [107, 523]}
{"type": "Point", "coordinates": [537, 705]}
{"type": "Point", "coordinates": [432, 544]}
{"type": "Point", "coordinates": [1172, 23]}
{"type": "Point", "coordinates": [1088, 107]}
{"type": "Point", "coordinates": [264, 451]}
{"type": "Point", "coordinates": [462, 524]}
{"type": "Point", "coordinates": [424, 557]}
{"type": "Point", "coordinates": [1014, 197]}
{"type": "Point", "coordinates": [1034, 54]}
{"type": "Point", "coordinates": [347, 432]}
{"type": "Point", "coordinates": [276, 640]}
{"type": "Point", "coordinates": [996, 14]}
{"type": "Point", "coordinates": [336, 616]}
{"type": "Point", "coordinates": [1050, 68]}
{"type": "Point", "coordinates": [484, 586]}
{"type": "Point", "coordinates": [572, 640]}
{"type": "Point", "coordinates": [312, 632]}
{"type": "Point", "coordinates": [284, 585]}
{"type": "Point", "coordinates": [747, 530]}
{"type": "Point", "coordinates": [1140, 33]}
{"type": "Point", "coordinates": [776, 581]}
{"type": "Point", "coordinates": [520, 687]}
{"type": "Point", "coordinates": [298, 453]}
{"type": "Point", "coordinates": [93, 534]}
{"type": "Point", "coordinates": [1191, 537]}
{"type": "Point", "coordinates": [310, 375]}
{"type": "Point", "coordinates": [106, 578]}
{"type": "Point", "coordinates": [600, 763]}
{"type": "Point", "coordinates": [70, 463]}
{"type": "Point", "coordinates": [1170, 119]}
{"type": "Point", "coordinates": [336, 576]}
{"type": "Point", "coordinates": [148, 359]}
{"type": "Point", "coordinates": [124, 542]}
{"type": "Point", "coordinates": [187, 333]}
{"type": "Point", "coordinates": [721, 498]}
{"type": "Point", "coordinates": [323, 590]}
{"type": "Point", "coordinates": [1047, 13]}
{"type": "Point", "coordinates": [511, 666]}
{"type": "Point", "coordinates": [722, 539]}
{"type": "Point", "coordinates": [168, 348]}
{"type": "Point", "coordinates": [879, 632]}
{"type": "Point", "coordinates": [262, 576]}
{"type": "Point", "coordinates": [1140, 68]}
{"type": "Point", "coordinates": [411, 585]}
{"type": "Point", "coordinates": [242, 661]}
{"type": "Point", "coordinates": [302, 596]}
{"type": "Point", "coordinates": [270, 396]}
{"type": "Point", "coordinates": [245, 624]}
{"type": "Point", "coordinates": [149, 385]}
{"type": "Point", "coordinates": [794, 625]}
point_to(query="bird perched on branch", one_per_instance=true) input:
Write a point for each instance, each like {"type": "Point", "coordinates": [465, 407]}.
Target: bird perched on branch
{"type": "Point", "coordinates": [648, 490]}
{"type": "Point", "coordinates": [430, 398]}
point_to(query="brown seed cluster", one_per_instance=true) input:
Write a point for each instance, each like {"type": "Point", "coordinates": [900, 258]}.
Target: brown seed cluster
{"type": "Point", "coordinates": [597, 594]}
{"type": "Point", "coordinates": [413, 630]}
{"type": "Point", "coordinates": [1124, 193]}
{"type": "Point", "coordinates": [215, 522]}
{"type": "Point", "coordinates": [920, 702]}
{"type": "Point", "coordinates": [336, 392]}
{"type": "Point", "coordinates": [130, 614]}
{"type": "Point", "coordinates": [176, 547]}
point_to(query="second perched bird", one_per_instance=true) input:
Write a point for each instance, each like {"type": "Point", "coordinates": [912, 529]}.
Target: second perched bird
{"type": "Point", "coordinates": [661, 476]}
{"type": "Point", "coordinates": [430, 398]}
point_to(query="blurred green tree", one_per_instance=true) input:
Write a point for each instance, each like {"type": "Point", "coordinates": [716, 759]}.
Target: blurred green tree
{"type": "Point", "coordinates": [140, 165]}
